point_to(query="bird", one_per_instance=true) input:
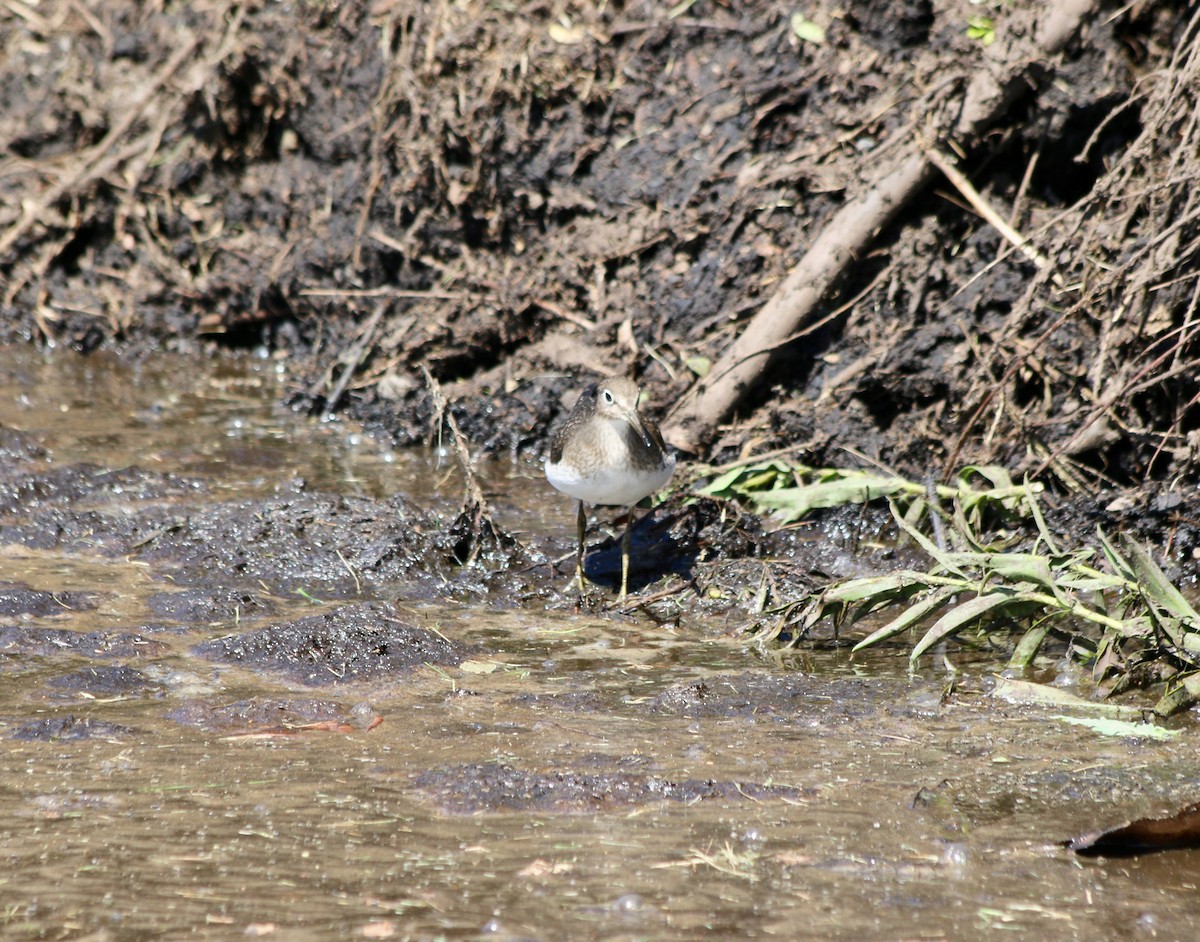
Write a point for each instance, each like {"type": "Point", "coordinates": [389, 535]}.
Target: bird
{"type": "Point", "coordinates": [607, 452]}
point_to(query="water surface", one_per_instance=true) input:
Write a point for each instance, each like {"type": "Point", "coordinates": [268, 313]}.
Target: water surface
{"type": "Point", "coordinates": [905, 813]}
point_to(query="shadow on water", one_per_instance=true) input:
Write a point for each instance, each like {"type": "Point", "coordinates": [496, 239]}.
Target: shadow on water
{"type": "Point", "coordinates": [197, 740]}
{"type": "Point", "coordinates": [655, 551]}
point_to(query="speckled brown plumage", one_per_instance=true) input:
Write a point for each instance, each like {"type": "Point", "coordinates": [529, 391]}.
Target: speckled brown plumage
{"type": "Point", "coordinates": [606, 452]}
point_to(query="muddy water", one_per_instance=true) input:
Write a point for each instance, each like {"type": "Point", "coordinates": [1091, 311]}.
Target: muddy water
{"type": "Point", "coordinates": [566, 777]}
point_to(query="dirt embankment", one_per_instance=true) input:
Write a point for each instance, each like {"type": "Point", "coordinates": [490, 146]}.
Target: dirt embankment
{"type": "Point", "coordinates": [512, 199]}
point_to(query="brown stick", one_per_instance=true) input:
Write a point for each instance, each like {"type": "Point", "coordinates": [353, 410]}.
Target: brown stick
{"type": "Point", "coordinates": [985, 209]}
{"type": "Point", "coordinates": [851, 230]}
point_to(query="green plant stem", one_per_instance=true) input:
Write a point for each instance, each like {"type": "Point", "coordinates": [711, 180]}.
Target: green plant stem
{"type": "Point", "coordinates": [1075, 608]}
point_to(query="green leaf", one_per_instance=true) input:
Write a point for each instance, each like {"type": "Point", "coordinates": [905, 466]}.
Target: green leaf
{"type": "Point", "coordinates": [1107, 727]}
{"type": "Point", "coordinates": [1036, 512]}
{"type": "Point", "coordinates": [1170, 609]}
{"type": "Point", "coordinates": [872, 588]}
{"type": "Point", "coordinates": [769, 478]}
{"type": "Point", "coordinates": [724, 484]}
{"type": "Point", "coordinates": [1182, 695]}
{"type": "Point", "coordinates": [963, 532]}
{"type": "Point", "coordinates": [1031, 642]}
{"type": "Point", "coordinates": [918, 537]}
{"type": "Point", "coordinates": [1023, 567]}
{"type": "Point", "coordinates": [982, 29]}
{"type": "Point", "coordinates": [680, 8]}
{"type": "Point", "coordinates": [1156, 585]}
{"type": "Point", "coordinates": [792, 503]}
{"type": "Point", "coordinates": [994, 474]}
{"type": "Point", "coordinates": [1115, 559]}
{"type": "Point", "coordinates": [918, 612]}
{"type": "Point", "coordinates": [916, 509]}
{"type": "Point", "coordinates": [962, 616]}
{"type": "Point", "coordinates": [807, 31]}
{"type": "Point", "coordinates": [1031, 694]}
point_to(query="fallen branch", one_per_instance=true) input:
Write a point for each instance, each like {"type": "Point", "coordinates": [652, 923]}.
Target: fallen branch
{"type": "Point", "coordinates": [851, 230]}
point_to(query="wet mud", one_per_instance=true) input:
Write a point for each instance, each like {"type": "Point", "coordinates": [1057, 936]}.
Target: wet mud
{"type": "Point", "coordinates": [17, 599]}
{"type": "Point", "coordinates": [236, 557]}
{"type": "Point", "coordinates": [351, 643]}
{"type": "Point", "coordinates": [267, 716]}
{"type": "Point", "coordinates": [20, 642]}
{"type": "Point", "coordinates": [69, 728]}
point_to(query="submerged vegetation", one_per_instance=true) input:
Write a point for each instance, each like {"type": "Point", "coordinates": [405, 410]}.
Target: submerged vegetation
{"type": "Point", "coordinates": [994, 567]}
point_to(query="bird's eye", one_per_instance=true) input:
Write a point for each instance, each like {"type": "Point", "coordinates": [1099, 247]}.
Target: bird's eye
{"type": "Point", "coordinates": [608, 396]}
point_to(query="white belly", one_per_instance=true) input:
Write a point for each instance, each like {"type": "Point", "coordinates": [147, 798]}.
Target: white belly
{"type": "Point", "coordinates": [620, 488]}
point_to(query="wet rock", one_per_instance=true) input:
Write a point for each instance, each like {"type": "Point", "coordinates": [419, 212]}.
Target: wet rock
{"type": "Point", "coordinates": [206, 605]}
{"type": "Point", "coordinates": [470, 789]}
{"type": "Point", "coordinates": [82, 483]}
{"type": "Point", "coordinates": [104, 680]}
{"type": "Point", "coordinates": [19, 599]}
{"type": "Point", "coordinates": [320, 543]}
{"type": "Point", "coordinates": [354, 642]}
{"type": "Point", "coordinates": [267, 713]}
{"type": "Point", "coordinates": [778, 696]}
{"type": "Point", "coordinates": [55, 728]}
{"type": "Point", "coordinates": [16, 447]}
{"type": "Point", "coordinates": [20, 641]}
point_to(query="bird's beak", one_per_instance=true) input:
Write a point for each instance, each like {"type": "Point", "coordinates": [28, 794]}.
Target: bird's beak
{"type": "Point", "coordinates": [635, 420]}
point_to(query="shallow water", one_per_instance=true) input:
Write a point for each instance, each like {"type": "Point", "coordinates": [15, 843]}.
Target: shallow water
{"type": "Point", "coordinates": [908, 814]}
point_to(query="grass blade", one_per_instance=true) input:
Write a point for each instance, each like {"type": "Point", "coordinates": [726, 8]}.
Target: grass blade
{"type": "Point", "coordinates": [1030, 643]}
{"type": "Point", "coordinates": [1177, 619]}
{"type": "Point", "coordinates": [1040, 522]}
{"type": "Point", "coordinates": [913, 615]}
{"type": "Point", "coordinates": [962, 616]}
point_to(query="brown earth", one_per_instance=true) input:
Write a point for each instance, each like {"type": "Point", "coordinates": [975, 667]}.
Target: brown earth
{"type": "Point", "coordinates": [515, 197]}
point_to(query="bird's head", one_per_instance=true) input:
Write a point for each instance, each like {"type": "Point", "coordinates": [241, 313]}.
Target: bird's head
{"type": "Point", "coordinates": [617, 399]}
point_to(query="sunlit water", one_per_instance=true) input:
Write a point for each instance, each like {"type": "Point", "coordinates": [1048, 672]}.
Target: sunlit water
{"type": "Point", "coordinates": [919, 817]}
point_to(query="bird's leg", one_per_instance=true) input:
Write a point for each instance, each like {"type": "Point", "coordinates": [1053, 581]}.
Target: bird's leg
{"type": "Point", "coordinates": [626, 545]}
{"type": "Point", "coordinates": [579, 553]}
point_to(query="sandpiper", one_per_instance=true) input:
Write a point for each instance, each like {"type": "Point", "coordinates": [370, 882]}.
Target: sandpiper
{"type": "Point", "coordinates": [607, 453]}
